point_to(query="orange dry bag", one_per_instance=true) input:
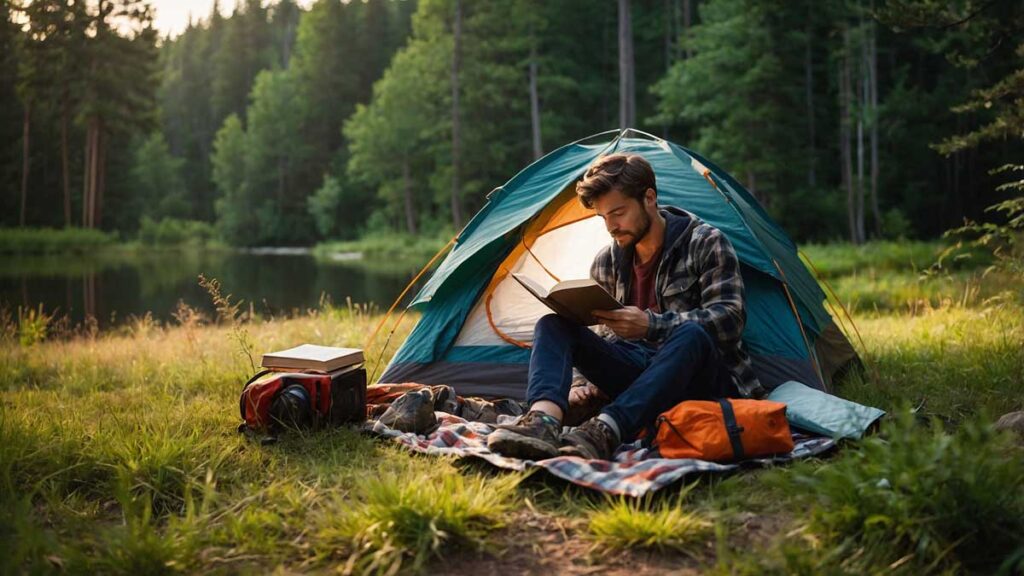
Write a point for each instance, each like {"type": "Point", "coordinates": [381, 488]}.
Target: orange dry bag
{"type": "Point", "coordinates": [723, 430]}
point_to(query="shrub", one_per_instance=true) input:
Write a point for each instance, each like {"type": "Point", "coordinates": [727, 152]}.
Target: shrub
{"type": "Point", "coordinates": [53, 241]}
{"type": "Point", "coordinates": [924, 499]}
{"type": "Point", "coordinates": [1003, 238]}
{"type": "Point", "coordinates": [175, 232]}
{"type": "Point", "coordinates": [33, 325]}
{"type": "Point", "coordinates": [895, 225]}
{"type": "Point", "coordinates": [324, 204]}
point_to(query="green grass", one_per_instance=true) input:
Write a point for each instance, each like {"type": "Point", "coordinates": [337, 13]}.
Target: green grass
{"type": "Point", "coordinates": [118, 454]}
{"type": "Point", "coordinates": [648, 524]}
{"type": "Point", "coordinates": [412, 517]}
{"type": "Point", "coordinates": [53, 241]}
{"type": "Point", "coordinates": [833, 260]}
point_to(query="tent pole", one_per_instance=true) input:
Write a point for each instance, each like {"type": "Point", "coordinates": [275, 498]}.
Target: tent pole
{"type": "Point", "coordinates": [416, 278]}
{"type": "Point", "coordinates": [799, 322]}
{"type": "Point", "coordinates": [641, 133]}
{"type": "Point", "coordinates": [708, 175]}
{"type": "Point", "coordinates": [502, 335]}
{"type": "Point", "coordinates": [549, 272]}
{"type": "Point", "coordinates": [386, 342]}
{"type": "Point", "coordinates": [593, 136]}
{"type": "Point", "coordinates": [828, 287]}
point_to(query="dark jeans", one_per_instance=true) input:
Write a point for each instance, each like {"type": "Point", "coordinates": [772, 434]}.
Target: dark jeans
{"type": "Point", "coordinates": [643, 380]}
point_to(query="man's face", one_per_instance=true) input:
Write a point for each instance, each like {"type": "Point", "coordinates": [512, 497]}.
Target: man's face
{"type": "Point", "coordinates": [625, 218]}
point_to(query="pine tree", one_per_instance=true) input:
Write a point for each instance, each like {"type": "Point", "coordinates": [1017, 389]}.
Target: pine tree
{"type": "Point", "coordinates": [735, 94]}
{"type": "Point", "coordinates": [10, 112]}
{"type": "Point", "coordinates": [273, 142]}
{"type": "Point", "coordinates": [390, 141]}
{"type": "Point", "coordinates": [327, 83]}
{"type": "Point", "coordinates": [243, 51]}
{"type": "Point", "coordinates": [118, 90]}
{"type": "Point", "coordinates": [157, 180]}
{"type": "Point", "coordinates": [236, 217]}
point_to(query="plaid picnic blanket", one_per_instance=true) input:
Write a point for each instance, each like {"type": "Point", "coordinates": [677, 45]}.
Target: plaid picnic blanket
{"type": "Point", "coordinates": [635, 471]}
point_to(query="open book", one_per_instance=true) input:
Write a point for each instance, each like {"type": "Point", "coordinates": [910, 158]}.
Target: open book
{"type": "Point", "coordinates": [311, 356]}
{"type": "Point", "coordinates": [573, 299]}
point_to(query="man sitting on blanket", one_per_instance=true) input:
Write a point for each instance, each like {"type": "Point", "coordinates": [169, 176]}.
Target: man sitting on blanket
{"type": "Point", "coordinates": [677, 338]}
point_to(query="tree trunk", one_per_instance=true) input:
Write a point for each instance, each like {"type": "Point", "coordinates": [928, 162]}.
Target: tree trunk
{"type": "Point", "coordinates": [667, 30]}
{"type": "Point", "coordinates": [859, 185]}
{"type": "Point", "coordinates": [812, 168]}
{"type": "Point", "coordinates": [538, 149]}
{"type": "Point", "coordinates": [93, 165]}
{"type": "Point", "coordinates": [456, 136]}
{"type": "Point", "coordinates": [844, 136]}
{"type": "Point", "coordinates": [92, 176]}
{"type": "Point", "coordinates": [280, 182]}
{"type": "Point", "coordinates": [627, 92]}
{"type": "Point", "coordinates": [947, 186]}
{"type": "Point", "coordinates": [86, 172]}
{"type": "Point", "coordinates": [667, 10]}
{"type": "Point", "coordinates": [873, 99]}
{"type": "Point", "coordinates": [89, 295]}
{"type": "Point", "coordinates": [101, 173]}
{"type": "Point", "coordinates": [958, 202]}
{"type": "Point", "coordinates": [287, 39]}
{"type": "Point", "coordinates": [410, 209]}
{"type": "Point", "coordinates": [68, 299]}
{"type": "Point", "coordinates": [26, 160]}
{"type": "Point", "coordinates": [687, 22]}
{"type": "Point", "coordinates": [862, 119]}
{"type": "Point", "coordinates": [65, 166]}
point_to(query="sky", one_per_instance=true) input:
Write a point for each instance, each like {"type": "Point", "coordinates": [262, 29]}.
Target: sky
{"type": "Point", "coordinates": [172, 15]}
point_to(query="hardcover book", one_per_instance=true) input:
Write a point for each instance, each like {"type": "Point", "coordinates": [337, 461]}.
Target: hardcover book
{"type": "Point", "coordinates": [573, 299]}
{"type": "Point", "coordinates": [311, 356]}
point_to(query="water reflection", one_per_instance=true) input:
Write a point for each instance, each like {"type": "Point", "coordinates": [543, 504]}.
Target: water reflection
{"type": "Point", "coordinates": [113, 286]}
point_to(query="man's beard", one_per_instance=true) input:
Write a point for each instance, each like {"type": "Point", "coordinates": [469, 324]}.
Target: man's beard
{"type": "Point", "coordinates": [645, 227]}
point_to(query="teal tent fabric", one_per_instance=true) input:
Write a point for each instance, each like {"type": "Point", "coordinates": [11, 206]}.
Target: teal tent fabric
{"type": "Point", "coordinates": [777, 283]}
{"type": "Point", "coordinates": [821, 413]}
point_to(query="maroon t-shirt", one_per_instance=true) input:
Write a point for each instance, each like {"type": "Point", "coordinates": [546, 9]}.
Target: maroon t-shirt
{"type": "Point", "coordinates": [642, 293]}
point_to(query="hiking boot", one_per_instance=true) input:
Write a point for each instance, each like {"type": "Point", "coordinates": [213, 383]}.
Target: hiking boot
{"type": "Point", "coordinates": [530, 437]}
{"type": "Point", "coordinates": [412, 412]}
{"type": "Point", "coordinates": [593, 440]}
{"type": "Point", "coordinates": [445, 399]}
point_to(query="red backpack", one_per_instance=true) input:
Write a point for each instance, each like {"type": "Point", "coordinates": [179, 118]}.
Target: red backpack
{"type": "Point", "coordinates": [313, 399]}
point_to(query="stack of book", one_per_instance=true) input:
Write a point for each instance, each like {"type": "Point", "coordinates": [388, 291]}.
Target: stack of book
{"type": "Point", "coordinates": [345, 367]}
{"type": "Point", "coordinates": [327, 359]}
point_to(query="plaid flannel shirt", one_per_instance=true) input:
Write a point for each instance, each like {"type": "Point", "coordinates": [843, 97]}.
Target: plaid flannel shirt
{"type": "Point", "coordinates": [697, 280]}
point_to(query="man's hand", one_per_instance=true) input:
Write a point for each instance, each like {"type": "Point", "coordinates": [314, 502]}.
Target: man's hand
{"type": "Point", "coordinates": [629, 322]}
{"type": "Point", "coordinates": [584, 403]}
{"type": "Point", "coordinates": [580, 395]}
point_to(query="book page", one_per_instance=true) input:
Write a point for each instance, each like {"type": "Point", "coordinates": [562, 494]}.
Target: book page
{"type": "Point", "coordinates": [581, 297]}
{"type": "Point", "coordinates": [541, 294]}
{"type": "Point", "coordinates": [531, 285]}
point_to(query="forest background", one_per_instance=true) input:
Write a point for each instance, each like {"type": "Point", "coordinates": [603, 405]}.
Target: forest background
{"type": "Point", "coordinates": [278, 125]}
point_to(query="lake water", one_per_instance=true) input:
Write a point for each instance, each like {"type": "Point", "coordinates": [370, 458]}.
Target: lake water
{"type": "Point", "coordinates": [111, 287]}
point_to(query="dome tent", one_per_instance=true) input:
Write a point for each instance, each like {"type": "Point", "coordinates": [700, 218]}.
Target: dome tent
{"type": "Point", "coordinates": [477, 322]}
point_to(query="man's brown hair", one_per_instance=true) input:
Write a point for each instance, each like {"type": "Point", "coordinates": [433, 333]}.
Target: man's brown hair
{"type": "Point", "coordinates": [629, 173]}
